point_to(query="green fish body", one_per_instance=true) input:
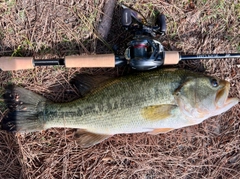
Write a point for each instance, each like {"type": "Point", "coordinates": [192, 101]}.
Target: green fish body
{"type": "Point", "coordinates": [153, 102]}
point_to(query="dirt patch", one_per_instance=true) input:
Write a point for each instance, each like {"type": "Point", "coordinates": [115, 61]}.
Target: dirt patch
{"type": "Point", "coordinates": [58, 28]}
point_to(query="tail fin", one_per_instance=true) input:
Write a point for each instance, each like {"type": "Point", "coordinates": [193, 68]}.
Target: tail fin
{"type": "Point", "coordinates": [26, 110]}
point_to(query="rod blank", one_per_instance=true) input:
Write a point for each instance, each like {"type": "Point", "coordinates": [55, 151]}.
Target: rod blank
{"type": "Point", "coordinates": [48, 62]}
{"type": "Point", "coordinates": [210, 56]}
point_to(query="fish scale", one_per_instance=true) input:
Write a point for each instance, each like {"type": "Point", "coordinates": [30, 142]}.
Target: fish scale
{"type": "Point", "coordinates": [128, 96]}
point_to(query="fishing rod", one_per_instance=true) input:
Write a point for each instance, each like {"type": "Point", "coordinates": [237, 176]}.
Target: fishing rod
{"type": "Point", "coordinates": [142, 53]}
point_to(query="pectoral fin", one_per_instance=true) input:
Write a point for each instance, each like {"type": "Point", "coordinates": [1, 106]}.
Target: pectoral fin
{"type": "Point", "coordinates": [87, 139]}
{"type": "Point", "coordinates": [160, 130]}
{"type": "Point", "coordinates": [158, 112]}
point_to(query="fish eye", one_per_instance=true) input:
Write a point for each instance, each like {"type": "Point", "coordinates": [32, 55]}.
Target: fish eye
{"type": "Point", "coordinates": [214, 82]}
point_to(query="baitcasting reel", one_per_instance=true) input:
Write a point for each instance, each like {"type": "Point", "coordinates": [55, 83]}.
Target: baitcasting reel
{"type": "Point", "coordinates": [142, 53]}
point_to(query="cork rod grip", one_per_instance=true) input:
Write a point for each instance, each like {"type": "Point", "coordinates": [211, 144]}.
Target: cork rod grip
{"type": "Point", "coordinates": [16, 63]}
{"type": "Point", "coordinates": [171, 57]}
{"type": "Point", "coordinates": [90, 61]}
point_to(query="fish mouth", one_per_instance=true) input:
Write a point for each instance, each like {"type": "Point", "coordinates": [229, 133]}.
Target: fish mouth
{"type": "Point", "coordinates": [222, 101]}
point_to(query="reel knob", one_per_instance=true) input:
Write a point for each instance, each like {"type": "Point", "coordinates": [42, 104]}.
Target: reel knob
{"type": "Point", "coordinates": [161, 22]}
{"type": "Point", "coordinates": [126, 17]}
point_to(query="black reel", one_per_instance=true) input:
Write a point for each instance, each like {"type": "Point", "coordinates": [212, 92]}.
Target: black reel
{"type": "Point", "coordinates": [143, 53]}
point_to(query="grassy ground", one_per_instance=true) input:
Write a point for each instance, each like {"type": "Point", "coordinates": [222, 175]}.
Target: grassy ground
{"type": "Point", "coordinates": [46, 29]}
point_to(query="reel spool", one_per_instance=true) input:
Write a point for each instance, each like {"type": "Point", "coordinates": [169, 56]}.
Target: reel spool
{"type": "Point", "coordinates": [144, 54]}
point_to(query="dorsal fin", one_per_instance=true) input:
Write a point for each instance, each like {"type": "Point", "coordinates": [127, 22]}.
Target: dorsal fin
{"type": "Point", "coordinates": [85, 83]}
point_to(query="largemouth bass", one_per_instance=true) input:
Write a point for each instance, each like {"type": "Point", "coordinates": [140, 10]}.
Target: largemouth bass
{"type": "Point", "coordinates": [153, 102]}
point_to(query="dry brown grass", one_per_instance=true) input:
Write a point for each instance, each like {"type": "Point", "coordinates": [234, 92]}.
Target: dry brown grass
{"type": "Point", "coordinates": [58, 28]}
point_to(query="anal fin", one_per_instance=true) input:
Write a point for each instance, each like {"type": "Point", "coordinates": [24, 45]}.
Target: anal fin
{"type": "Point", "coordinates": [160, 130]}
{"type": "Point", "coordinates": [87, 139]}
